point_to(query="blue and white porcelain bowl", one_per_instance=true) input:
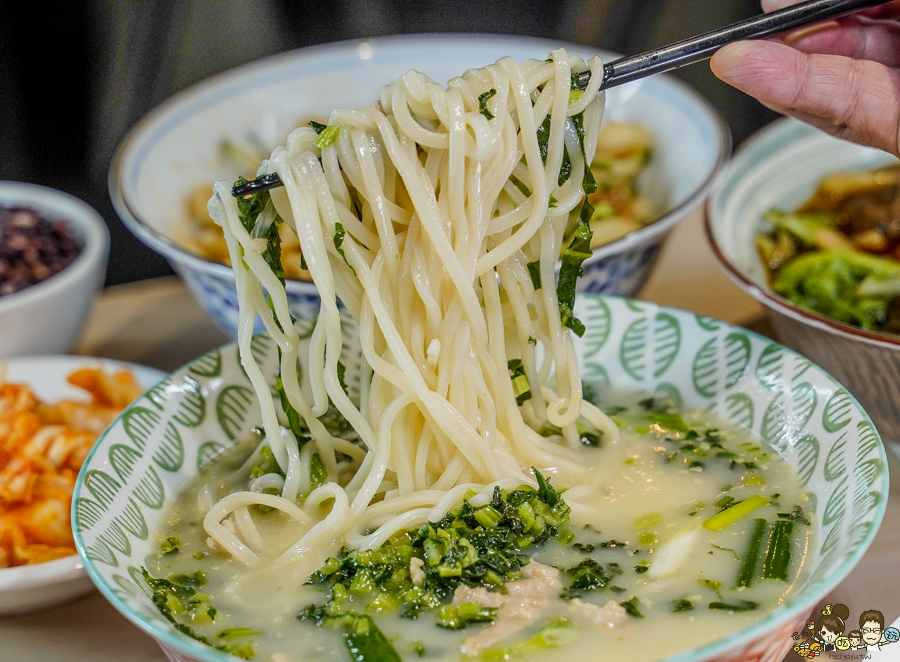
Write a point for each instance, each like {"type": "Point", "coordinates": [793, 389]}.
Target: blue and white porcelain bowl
{"type": "Point", "coordinates": [781, 167]}
{"type": "Point", "coordinates": [159, 445]}
{"type": "Point", "coordinates": [176, 148]}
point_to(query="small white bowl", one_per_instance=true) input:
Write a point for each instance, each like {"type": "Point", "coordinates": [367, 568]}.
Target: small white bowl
{"type": "Point", "coordinates": [47, 318]}
{"type": "Point", "coordinates": [30, 588]}
{"type": "Point", "coordinates": [176, 148]}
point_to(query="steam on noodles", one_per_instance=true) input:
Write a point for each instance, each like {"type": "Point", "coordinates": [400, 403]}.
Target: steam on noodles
{"type": "Point", "coordinates": [436, 217]}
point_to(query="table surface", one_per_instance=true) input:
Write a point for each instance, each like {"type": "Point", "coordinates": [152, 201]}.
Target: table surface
{"type": "Point", "coordinates": [157, 323]}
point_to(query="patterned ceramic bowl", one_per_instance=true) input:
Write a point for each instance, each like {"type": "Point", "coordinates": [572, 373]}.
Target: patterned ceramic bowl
{"type": "Point", "coordinates": [781, 167]}
{"type": "Point", "coordinates": [176, 148]}
{"type": "Point", "coordinates": [157, 447]}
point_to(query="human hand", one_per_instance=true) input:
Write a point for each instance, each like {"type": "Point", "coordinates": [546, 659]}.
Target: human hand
{"type": "Point", "coordinates": [842, 76]}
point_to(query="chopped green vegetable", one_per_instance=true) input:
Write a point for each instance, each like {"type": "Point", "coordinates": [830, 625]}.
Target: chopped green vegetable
{"type": "Point", "coordinates": [646, 521]}
{"type": "Point", "coordinates": [479, 547]}
{"type": "Point", "coordinates": [646, 538]}
{"type": "Point", "coordinates": [724, 502]}
{"type": "Point", "coordinates": [588, 183]}
{"type": "Point", "coordinates": [482, 103]}
{"type": "Point", "coordinates": [751, 556]}
{"type": "Point", "coordinates": [734, 512]}
{"type": "Point", "coordinates": [778, 551]}
{"type": "Point", "coordinates": [682, 605]}
{"type": "Point", "coordinates": [521, 388]}
{"type": "Point", "coordinates": [262, 508]}
{"type": "Point", "coordinates": [737, 605]}
{"type": "Point", "coordinates": [177, 596]}
{"type": "Point", "coordinates": [801, 226]}
{"type": "Point", "coordinates": [295, 421]}
{"type": "Point", "coordinates": [546, 493]}
{"type": "Point", "coordinates": [456, 617]}
{"type": "Point", "coordinates": [170, 546]}
{"type": "Point", "coordinates": [631, 606]}
{"type": "Point", "coordinates": [366, 643]}
{"type": "Point", "coordinates": [317, 127]}
{"type": "Point", "coordinates": [235, 633]}
{"type": "Point", "coordinates": [519, 184]}
{"type": "Point", "coordinates": [797, 515]}
{"type": "Point", "coordinates": [570, 270]}
{"type": "Point", "coordinates": [261, 221]}
{"type": "Point", "coordinates": [672, 422]}
{"type": "Point", "coordinates": [488, 517]}
{"type": "Point", "coordinates": [327, 136]}
{"type": "Point", "coordinates": [589, 436]}
{"type": "Point", "coordinates": [555, 633]}
{"type": "Point", "coordinates": [588, 575]}
{"type": "Point", "coordinates": [543, 136]}
{"type": "Point", "coordinates": [339, 235]}
{"type": "Point", "coordinates": [548, 430]}
{"type": "Point", "coordinates": [534, 270]}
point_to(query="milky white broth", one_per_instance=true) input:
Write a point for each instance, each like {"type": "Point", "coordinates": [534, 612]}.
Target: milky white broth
{"type": "Point", "coordinates": [648, 497]}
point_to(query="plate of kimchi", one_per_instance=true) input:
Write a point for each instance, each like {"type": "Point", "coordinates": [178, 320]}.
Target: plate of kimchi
{"type": "Point", "coordinates": [52, 410]}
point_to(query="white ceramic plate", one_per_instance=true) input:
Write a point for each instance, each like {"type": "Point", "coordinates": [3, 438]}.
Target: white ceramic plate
{"type": "Point", "coordinates": [31, 588]}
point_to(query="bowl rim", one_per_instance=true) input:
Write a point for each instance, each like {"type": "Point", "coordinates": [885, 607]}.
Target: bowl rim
{"type": "Point", "coordinates": [782, 614]}
{"type": "Point", "coordinates": [59, 206]}
{"type": "Point", "coordinates": [25, 577]}
{"type": "Point", "coordinates": [71, 567]}
{"type": "Point", "coordinates": [764, 295]}
{"type": "Point", "coordinates": [172, 250]}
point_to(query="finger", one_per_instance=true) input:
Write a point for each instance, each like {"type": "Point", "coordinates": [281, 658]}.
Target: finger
{"type": "Point", "coordinates": [853, 37]}
{"type": "Point", "coordinates": [856, 98]}
{"type": "Point", "coordinates": [889, 10]}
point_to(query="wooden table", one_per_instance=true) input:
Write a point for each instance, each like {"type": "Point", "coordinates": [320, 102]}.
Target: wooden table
{"type": "Point", "coordinates": [159, 324]}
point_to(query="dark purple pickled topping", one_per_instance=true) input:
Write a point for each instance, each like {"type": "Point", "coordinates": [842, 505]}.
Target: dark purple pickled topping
{"type": "Point", "coordinates": [32, 248]}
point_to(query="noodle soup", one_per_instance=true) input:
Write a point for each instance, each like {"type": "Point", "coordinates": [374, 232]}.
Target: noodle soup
{"type": "Point", "coordinates": [645, 570]}
{"type": "Point", "coordinates": [450, 490]}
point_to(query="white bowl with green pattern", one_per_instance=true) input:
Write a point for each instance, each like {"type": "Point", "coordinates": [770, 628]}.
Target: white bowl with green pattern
{"type": "Point", "coordinates": [157, 447]}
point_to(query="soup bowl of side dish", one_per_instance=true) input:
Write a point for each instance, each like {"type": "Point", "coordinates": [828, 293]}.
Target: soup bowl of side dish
{"type": "Point", "coordinates": [673, 143]}
{"type": "Point", "coordinates": [53, 249]}
{"type": "Point", "coordinates": [758, 482]}
{"type": "Point", "coordinates": [819, 310]}
{"type": "Point", "coordinates": [38, 565]}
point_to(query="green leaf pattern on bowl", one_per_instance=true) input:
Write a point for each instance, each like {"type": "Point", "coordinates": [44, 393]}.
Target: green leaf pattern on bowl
{"type": "Point", "coordinates": [163, 441]}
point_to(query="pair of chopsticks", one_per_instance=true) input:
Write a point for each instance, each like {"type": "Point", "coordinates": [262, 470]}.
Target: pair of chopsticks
{"type": "Point", "coordinates": [679, 54]}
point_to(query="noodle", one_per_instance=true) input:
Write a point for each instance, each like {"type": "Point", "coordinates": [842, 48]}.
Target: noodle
{"type": "Point", "coordinates": [433, 217]}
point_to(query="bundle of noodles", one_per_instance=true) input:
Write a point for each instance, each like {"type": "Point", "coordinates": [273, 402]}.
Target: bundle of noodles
{"type": "Point", "coordinates": [437, 218]}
